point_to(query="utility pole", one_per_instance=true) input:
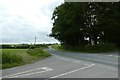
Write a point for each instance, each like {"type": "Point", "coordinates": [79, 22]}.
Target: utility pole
{"type": "Point", "coordinates": [35, 40]}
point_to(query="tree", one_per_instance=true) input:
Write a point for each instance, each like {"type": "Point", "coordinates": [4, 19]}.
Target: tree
{"type": "Point", "coordinates": [86, 23]}
{"type": "Point", "coordinates": [68, 23]}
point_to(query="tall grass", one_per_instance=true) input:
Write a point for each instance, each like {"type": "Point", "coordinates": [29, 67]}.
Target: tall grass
{"type": "Point", "coordinates": [39, 52]}
{"type": "Point", "coordinates": [16, 57]}
{"type": "Point", "coordinates": [11, 58]}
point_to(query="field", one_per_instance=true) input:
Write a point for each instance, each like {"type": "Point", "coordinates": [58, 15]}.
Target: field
{"type": "Point", "coordinates": [16, 57]}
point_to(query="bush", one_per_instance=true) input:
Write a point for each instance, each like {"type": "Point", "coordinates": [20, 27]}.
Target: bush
{"type": "Point", "coordinates": [38, 52]}
{"type": "Point", "coordinates": [106, 47]}
{"type": "Point", "coordinates": [74, 48]}
{"type": "Point", "coordinates": [20, 46]}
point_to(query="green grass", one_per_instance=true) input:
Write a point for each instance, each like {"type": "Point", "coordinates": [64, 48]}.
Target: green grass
{"type": "Point", "coordinates": [16, 57]}
{"type": "Point", "coordinates": [39, 52]}
{"type": "Point", "coordinates": [57, 47]}
{"type": "Point", "coordinates": [99, 48]}
{"type": "Point", "coordinates": [0, 59]}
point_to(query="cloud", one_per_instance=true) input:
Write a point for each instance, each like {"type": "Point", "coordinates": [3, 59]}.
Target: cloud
{"type": "Point", "coordinates": [22, 20]}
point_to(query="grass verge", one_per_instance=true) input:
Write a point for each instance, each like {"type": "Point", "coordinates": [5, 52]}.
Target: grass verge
{"type": "Point", "coordinates": [17, 57]}
{"type": "Point", "coordinates": [99, 48]}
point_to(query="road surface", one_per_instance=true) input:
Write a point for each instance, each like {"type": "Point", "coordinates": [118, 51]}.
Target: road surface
{"type": "Point", "coordinates": [68, 65]}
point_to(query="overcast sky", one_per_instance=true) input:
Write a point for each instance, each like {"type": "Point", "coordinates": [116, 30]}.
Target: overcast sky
{"type": "Point", "coordinates": [22, 20]}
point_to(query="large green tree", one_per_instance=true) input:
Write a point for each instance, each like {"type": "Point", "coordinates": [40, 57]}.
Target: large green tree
{"type": "Point", "coordinates": [69, 23]}
{"type": "Point", "coordinates": [111, 23]}
{"type": "Point", "coordinates": [86, 23]}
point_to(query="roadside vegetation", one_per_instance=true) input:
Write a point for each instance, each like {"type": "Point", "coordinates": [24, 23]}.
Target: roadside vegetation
{"type": "Point", "coordinates": [38, 52]}
{"type": "Point", "coordinates": [99, 48]}
{"type": "Point", "coordinates": [17, 57]}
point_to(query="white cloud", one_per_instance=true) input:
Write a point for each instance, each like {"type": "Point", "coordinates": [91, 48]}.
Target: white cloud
{"type": "Point", "coordinates": [22, 20]}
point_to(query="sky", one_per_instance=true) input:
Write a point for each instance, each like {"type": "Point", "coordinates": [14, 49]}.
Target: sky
{"type": "Point", "coordinates": [23, 20]}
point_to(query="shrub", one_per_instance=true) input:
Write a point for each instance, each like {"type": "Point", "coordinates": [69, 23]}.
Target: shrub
{"type": "Point", "coordinates": [38, 52]}
{"type": "Point", "coordinates": [106, 47]}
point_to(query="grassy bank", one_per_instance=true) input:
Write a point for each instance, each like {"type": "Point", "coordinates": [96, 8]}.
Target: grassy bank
{"type": "Point", "coordinates": [16, 57]}
{"type": "Point", "coordinates": [99, 48]}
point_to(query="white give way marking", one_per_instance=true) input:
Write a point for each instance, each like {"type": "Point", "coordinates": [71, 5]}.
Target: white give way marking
{"type": "Point", "coordinates": [29, 72]}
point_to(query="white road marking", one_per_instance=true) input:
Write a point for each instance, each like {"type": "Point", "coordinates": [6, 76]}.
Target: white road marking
{"type": "Point", "coordinates": [67, 59]}
{"type": "Point", "coordinates": [70, 59]}
{"type": "Point", "coordinates": [75, 61]}
{"type": "Point", "coordinates": [110, 55]}
{"type": "Point", "coordinates": [113, 56]}
{"type": "Point", "coordinates": [73, 71]}
{"type": "Point", "coordinates": [27, 72]}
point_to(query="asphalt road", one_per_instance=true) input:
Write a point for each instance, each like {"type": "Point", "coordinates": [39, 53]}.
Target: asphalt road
{"type": "Point", "coordinates": [68, 65]}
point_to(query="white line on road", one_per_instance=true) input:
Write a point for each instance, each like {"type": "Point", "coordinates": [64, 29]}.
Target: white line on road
{"type": "Point", "coordinates": [110, 55]}
{"type": "Point", "coordinates": [67, 59]}
{"type": "Point", "coordinates": [114, 56]}
{"type": "Point", "coordinates": [73, 71]}
{"type": "Point", "coordinates": [29, 72]}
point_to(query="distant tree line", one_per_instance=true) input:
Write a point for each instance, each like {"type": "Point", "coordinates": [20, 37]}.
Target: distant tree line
{"type": "Point", "coordinates": [87, 23]}
{"type": "Point", "coordinates": [23, 46]}
{"type": "Point", "coordinates": [19, 46]}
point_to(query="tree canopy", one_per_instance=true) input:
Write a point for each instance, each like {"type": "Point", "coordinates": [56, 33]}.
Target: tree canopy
{"type": "Point", "coordinates": [87, 23]}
